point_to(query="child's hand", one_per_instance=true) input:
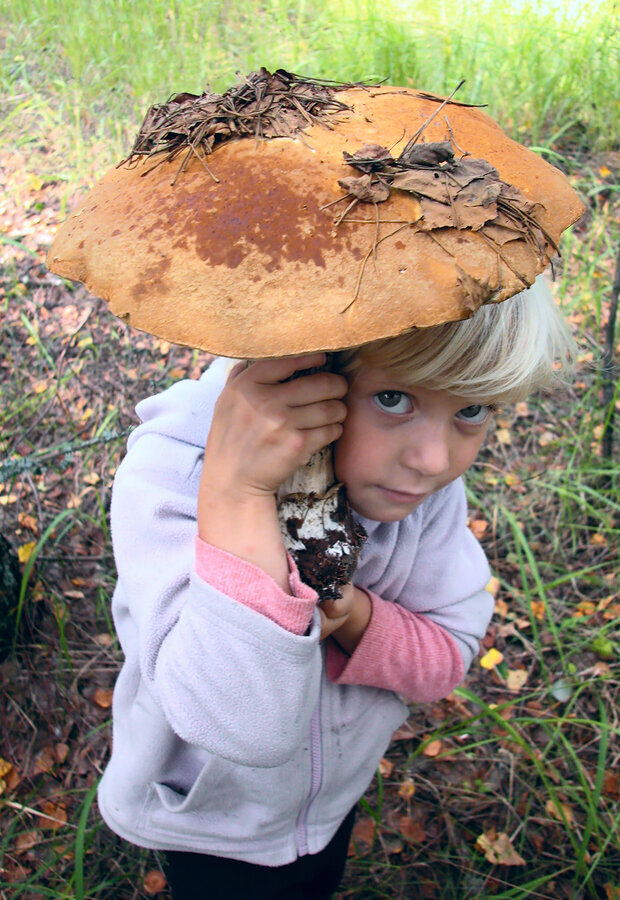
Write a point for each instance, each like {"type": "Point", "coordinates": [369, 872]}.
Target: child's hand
{"type": "Point", "coordinates": [265, 427]}
{"type": "Point", "coordinates": [347, 618]}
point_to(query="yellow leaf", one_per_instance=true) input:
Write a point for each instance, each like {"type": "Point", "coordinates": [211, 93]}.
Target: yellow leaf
{"type": "Point", "coordinates": [538, 608]}
{"type": "Point", "coordinates": [41, 386]}
{"type": "Point", "coordinates": [5, 767]}
{"type": "Point", "coordinates": [604, 172]}
{"type": "Point", "coordinates": [515, 679]}
{"type": "Point", "coordinates": [493, 586]}
{"type": "Point", "coordinates": [503, 436]}
{"type": "Point", "coordinates": [585, 608]}
{"type": "Point", "coordinates": [522, 409]}
{"type": "Point", "coordinates": [92, 478]}
{"type": "Point", "coordinates": [25, 551]}
{"type": "Point", "coordinates": [406, 789]}
{"type": "Point", "coordinates": [491, 659]}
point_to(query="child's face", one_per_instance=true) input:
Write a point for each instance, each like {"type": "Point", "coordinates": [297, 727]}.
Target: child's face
{"type": "Point", "coordinates": [401, 444]}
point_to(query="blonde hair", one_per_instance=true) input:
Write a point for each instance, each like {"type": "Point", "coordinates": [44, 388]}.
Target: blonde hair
{"type": "Point", "coordinates": [503, 353]}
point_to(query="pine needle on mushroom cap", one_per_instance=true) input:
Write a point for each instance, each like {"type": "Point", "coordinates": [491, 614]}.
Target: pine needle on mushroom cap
{"type": "Point", "coordinates": [289, 215]}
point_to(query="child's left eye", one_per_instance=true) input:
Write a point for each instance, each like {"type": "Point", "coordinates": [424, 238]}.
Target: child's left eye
{"type": "Point", "coordinates": [474, 415]}
{"type": "Point", "coordinates": [393, 402]}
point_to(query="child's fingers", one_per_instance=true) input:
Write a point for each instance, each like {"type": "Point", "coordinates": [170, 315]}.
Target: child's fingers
{"type": "Point", "coordinates": [272, 371]}
{"type": "Point", "coordinates": [313, 388]}
{"type": "Point", "coordinates": [329, 625]}
{"type": "Point", "coordinates": [316, 415]}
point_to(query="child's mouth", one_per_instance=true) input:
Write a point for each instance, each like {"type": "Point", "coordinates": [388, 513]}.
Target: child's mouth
{"type": "Point", "coordinates": [402, 496]}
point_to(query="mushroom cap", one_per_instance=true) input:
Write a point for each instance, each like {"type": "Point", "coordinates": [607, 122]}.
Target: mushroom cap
{"type": "Point", "coordinates": [261, 261]}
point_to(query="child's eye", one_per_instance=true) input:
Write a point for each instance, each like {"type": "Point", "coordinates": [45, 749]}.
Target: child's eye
{"type": "Point", "coordinates": [474, 415]}
{"type": "Point", "coordinates": [393, 402]}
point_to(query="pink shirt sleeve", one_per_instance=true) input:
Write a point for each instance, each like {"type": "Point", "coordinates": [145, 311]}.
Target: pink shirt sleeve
{"type": "Point", "coordinates": [250, 585]}
{"type": "Point", "coordinates": [401, 651]}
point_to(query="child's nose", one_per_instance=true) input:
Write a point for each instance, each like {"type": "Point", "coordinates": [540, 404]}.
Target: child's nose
{"type": "Point", "coordinates": [429, 451]}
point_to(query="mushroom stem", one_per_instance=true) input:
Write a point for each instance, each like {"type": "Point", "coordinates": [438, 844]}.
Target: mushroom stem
{"type": "Point", "coordinates": [318, 527]}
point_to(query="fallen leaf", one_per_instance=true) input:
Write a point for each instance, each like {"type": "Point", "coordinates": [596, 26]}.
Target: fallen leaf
{"type": "Point", "coordinates": [560, 811]}
{"type": "Point", "coordinates": [406, 789]}
{"type": "Point", "coordinates": [546, 438]}
{"type": "Point", "coordinates": [502, 609]}
{"type": "Point", "coordinates": [363, 837]}
{"type": "Point", "coordinates": [385, 767]}
{"type": "Point", "coordinates": [538, 609]}
{"type": "Point", "coordinates": [25, 551]}
{"type": "Point", "coordinates": [515, 679]}
{"type": "Point", "coordinates": [498, 850]}
{"type": "Point", "coordinates": [585, 608]}
{"type": "Point", "coordinates": [611, 784]}
{"type": "Point", "coordinates": [491, 659]}
{"type": "Point", "coordinates": [155, 882]}
{"type": "Point", "coordinates": [44, 761]}
{"type": "Point", "coordinates": [493, 586]}
{"type": "Point", "coordinates": [604, 172]}
{"type": "Point", "coordinates": [411, 831]}
{"type": "Point", "coordinates": [503, 436]}
{"type": "Point", "coordinates": [54, 814]}
{"type": "Point", "coordinates": [433, 749]}
{"type": "Point", "coordinates": [103, 697]}
{"type": "Point", "coordinates": [522, 409]}
{"type": "Point", "coordinates": [27, 840]}
{"type": "Point", "coordinates": [61, 752]}
{"type": "Point", "coordinates": [104, 639]}
{"type": "Point", "coordinates": [478, 527]}
{"type": "Point", "coordinates": [29, 522]}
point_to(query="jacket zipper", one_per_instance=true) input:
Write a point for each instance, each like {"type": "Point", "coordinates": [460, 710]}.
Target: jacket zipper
{"type": "Point", "coordinates": [316, 769]}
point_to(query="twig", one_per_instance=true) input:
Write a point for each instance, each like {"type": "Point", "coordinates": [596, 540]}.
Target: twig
{"type": "Point", "coordinates": [609, 386]}
{"type": "Point", "coordinates": [35, 812]}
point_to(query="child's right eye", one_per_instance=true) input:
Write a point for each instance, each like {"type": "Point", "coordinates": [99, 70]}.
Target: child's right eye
{"type": "Point", "coordinates": [393, 402]}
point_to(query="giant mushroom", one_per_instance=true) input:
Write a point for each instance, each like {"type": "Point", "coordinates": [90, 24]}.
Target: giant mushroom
{"type": "Point", "coordinates": [289, 215]}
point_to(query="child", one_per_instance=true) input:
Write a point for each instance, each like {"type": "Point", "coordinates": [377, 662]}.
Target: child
{"type": "Point", "coordinates": [247, 721]}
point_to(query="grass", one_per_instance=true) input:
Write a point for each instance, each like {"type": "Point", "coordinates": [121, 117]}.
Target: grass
{"type": "Point", "coordinates": [536, 762]}
{"type": "Point", "coordinates": [87, 72]}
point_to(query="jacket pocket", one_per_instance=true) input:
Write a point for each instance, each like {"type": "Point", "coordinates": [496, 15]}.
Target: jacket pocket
{"type": "Point", "coordinates": [230, 801]}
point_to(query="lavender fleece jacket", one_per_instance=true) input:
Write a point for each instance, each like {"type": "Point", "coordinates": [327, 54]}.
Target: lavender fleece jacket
{"type": "Point", "coordinates": [231, 736]}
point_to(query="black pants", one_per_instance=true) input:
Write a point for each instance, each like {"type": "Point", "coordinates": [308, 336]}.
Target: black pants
{"type": "Point", "coordinates": [196, 876]}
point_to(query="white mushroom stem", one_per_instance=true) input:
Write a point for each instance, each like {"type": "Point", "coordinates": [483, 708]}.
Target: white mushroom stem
{"type": "Point", "coordinates": [317, 526]}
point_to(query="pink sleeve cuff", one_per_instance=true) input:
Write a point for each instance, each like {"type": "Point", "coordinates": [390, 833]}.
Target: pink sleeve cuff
{"type": "Point", "coordinates": [401, 651]}
{"type": "Point", "coordinates": [250, 585]}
